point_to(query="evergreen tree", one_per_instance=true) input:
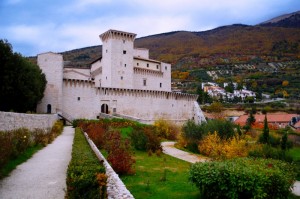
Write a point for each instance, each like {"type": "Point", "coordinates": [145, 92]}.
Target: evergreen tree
{"type": "Point", "coordinates": [265, 137]}
{"type": "Point", "coordinates": [284, 141]}
{"type": "Point", "coordinates": [22, 83]}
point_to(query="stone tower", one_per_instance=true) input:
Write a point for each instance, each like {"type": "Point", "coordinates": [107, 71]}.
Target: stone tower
{"type": "Point", "coordinates": [52, 66]}
{"type": "Point", "coordinates": [117, 59]}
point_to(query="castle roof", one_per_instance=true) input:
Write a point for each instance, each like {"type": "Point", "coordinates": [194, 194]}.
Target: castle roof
{"type": "Point", "coordinates": [117, 33]}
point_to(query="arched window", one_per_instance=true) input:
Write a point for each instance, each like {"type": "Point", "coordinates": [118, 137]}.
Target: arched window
{"type": "Point", "coordinates": [104, 108]}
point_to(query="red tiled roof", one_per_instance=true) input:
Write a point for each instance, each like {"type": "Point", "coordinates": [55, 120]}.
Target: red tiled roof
{"type": "Point", "coordinates": [272, 118]}
{"type": "Point", "coordinates": [297, 125]}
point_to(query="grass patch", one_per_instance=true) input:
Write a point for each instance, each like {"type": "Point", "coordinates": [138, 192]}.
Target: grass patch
{"type": "Point", "coordinates": [295, 153]}
{"type": "Point", "coordinates": [160, 177]}
{"type": "Point", "coordinates": [13, 163]}
{"type": "Point", "coordinates": [125, 131]}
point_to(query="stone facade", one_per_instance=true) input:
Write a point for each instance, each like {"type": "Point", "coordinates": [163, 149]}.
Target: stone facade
{"type": "Point", "coordinates": [124, 81]}
{"type": "Point", "coordinates": [10, 121]}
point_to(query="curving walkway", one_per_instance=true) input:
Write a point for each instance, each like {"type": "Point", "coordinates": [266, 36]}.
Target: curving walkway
{"type": "Point", "coordinates": [169, 149]}
{"type": "Point", "coordinates": [44, 175]}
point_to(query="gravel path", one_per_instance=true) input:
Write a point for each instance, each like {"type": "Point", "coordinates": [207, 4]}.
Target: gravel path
{"type": "Point", "coordinates": [44, 175]}
{"type": "Point", "coordinates": [168, 148]}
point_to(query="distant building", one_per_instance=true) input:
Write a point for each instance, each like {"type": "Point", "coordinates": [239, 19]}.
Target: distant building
{"type": "Point", "coordinates": [276, 120]}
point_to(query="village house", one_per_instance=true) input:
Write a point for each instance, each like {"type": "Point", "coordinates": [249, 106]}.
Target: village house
{"type": "Point", "coordinates": [275, 120]}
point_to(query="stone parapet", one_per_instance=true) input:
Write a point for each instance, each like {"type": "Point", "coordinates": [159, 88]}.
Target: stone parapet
{"type": "Point", "coordinates": [116, 189]}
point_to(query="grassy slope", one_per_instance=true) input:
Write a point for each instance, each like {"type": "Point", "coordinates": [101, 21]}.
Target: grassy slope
{"type": "Point", "coordinates": [146, 183]}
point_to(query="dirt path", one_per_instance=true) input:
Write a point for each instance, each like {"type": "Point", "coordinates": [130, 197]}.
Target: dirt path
{"type": "Point", "coordinates": [169, 149]}
{"type": "Point", "coordinates": [44, 175]}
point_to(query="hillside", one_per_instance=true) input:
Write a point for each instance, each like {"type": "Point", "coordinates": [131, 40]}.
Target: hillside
{"type": "Point", "coordinates": [274, 40]}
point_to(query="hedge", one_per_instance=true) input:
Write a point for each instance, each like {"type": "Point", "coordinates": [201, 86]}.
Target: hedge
{"type": "Point", "coordinates": [243, 178]}
{"type": "Point", "coordinates": [85, 175]}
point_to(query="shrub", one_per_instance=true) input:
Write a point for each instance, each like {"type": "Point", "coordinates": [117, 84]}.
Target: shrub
{"type": "Point", "coordinates": [243, 178]}
{"type": "Point", "coordinates": [224, 128]}
{"type": "Point", "coordinates": [192, 133]}
{"type": "Point", "coordinates": [6, 148]}
{"type": "Point", "coordinates": [166, 129]}
{"type": "Point", "coordinates": [145, 138]}
{"type": "Point", "coordinates": [214, 147]}
{"type": "Point", "coordinates": [83, 175]}
{"type": "Point", "coordinates": [139, 139]}
{"type": "Point", "coordinates": [267, 151]}
{"type": "Point", "coordinates": [96, 132]}
{"type": "Point", "coordinates": [119, 153]}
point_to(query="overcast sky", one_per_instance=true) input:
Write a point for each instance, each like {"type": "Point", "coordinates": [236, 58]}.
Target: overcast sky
{"type": "Point", "coordinates": [37, 26]}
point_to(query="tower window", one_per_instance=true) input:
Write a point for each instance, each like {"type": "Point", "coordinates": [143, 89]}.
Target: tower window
{"type": "Point", "coordinates": [121, 77]}
{"type": "Point", "coordinates": [125, 65]}
{"type": "Point", "coordinates": [160, 85]}
{"type": "Point", "coordinates": [166, 68]}
{"type": "Point", "coordinates": [124, 52]}
{"type": "Point", "coordinates": [123, 41]}
{"type": "Point", "coordinates": [78, 98]}
{"type": "Point", "coordinates": [106, 51]}
{"type": "Point", "coordinates": [144, 82]}
{"type": "Point", "coordinates": [156, 66]}
{"type": "Point", "coordinates": [137, 64]}
{"type": "Point", "coordinates": [147, 65]}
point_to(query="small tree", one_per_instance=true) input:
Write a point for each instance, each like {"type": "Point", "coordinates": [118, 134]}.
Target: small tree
{"type": "Point", "coordinates": [284, 141]}
{"type": "Point", "coordinates": [250, 121]}
{"type": "Point", "coordinates": [266, 136]}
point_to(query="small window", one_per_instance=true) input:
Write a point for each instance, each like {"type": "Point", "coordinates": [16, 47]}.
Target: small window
{"type": "Point", "coordinates": [166, 68]}
{"type": "Point", "coordinates": [147, 65]}
{"type": "Point", "coordinates": [160, 85]}
{"type": "Point", "coordinates": [106, 50]}
{"type": "Point", "coordinates": [137, 64]}
{"type": "Point", "coordinates": [156, 66]}
{"type": "Point", "coordinates": [121, 77]}
{"type": "Point", "coordinates": [125, 65]}
{"type": "Point", "coordinates": [78, 98]}
{"type": "Point", "coordinates": [124, 52]}
{"type": "Point", "coordinates": [123, 41]}
{"type": "Point", "coordinates": [97, 116]}
{"type": "Point", "coordinates": [144, 82]}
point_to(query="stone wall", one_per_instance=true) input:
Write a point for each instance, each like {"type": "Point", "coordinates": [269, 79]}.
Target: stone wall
{"type": "Point", "coordinates": [83, 100]}
{"type": "Point", "coordinates": [115, 187]}
{"type": "Point", "coordinates": [11, 121]}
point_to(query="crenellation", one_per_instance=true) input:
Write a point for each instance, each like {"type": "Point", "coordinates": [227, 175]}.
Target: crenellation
{"type": "Point", "coordinates": [123, 81]}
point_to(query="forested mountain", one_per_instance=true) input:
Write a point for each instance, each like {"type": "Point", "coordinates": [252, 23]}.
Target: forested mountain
{"type": "Point", "coordinates": [274, 40]}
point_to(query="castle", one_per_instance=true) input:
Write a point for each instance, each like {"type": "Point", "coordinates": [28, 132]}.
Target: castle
{"type": "Point", "coordinates": [123, 82]}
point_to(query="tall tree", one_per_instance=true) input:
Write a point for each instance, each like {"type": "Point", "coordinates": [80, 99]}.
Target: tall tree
{"type": "Point", "coordinates": [22, 83]}
{"type": "Point", "coordinates": [266, 136]}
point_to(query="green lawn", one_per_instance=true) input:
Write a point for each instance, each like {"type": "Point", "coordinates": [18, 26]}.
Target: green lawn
{"type": "Point", "coordinates": [295, 153]}
{"type": "Point", "coordinates": [148, 183]}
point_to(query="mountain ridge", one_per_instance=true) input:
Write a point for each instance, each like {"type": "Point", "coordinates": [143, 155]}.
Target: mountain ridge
{"type": "Point", "coordinates": [236, 43]}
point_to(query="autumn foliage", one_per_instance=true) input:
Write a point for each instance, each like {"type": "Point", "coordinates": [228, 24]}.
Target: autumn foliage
{"type": "Point", "coordinates": [215, 147]}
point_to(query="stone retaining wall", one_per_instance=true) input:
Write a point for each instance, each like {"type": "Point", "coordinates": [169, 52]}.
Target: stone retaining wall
{"type": "Point", "coordinates": [115, 187]}
{"type": "Point", "coordinates": [10, 121]}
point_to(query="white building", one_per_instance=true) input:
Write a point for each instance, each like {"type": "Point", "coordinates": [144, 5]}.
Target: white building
{"type": "Point", "coordinates": [123, 82]}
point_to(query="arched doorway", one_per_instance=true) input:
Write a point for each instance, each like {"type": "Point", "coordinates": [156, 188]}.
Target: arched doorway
{"type": "Point", "coordinates": [49, 108]}
{"type": "Point", "coordinates": [104, 108]}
